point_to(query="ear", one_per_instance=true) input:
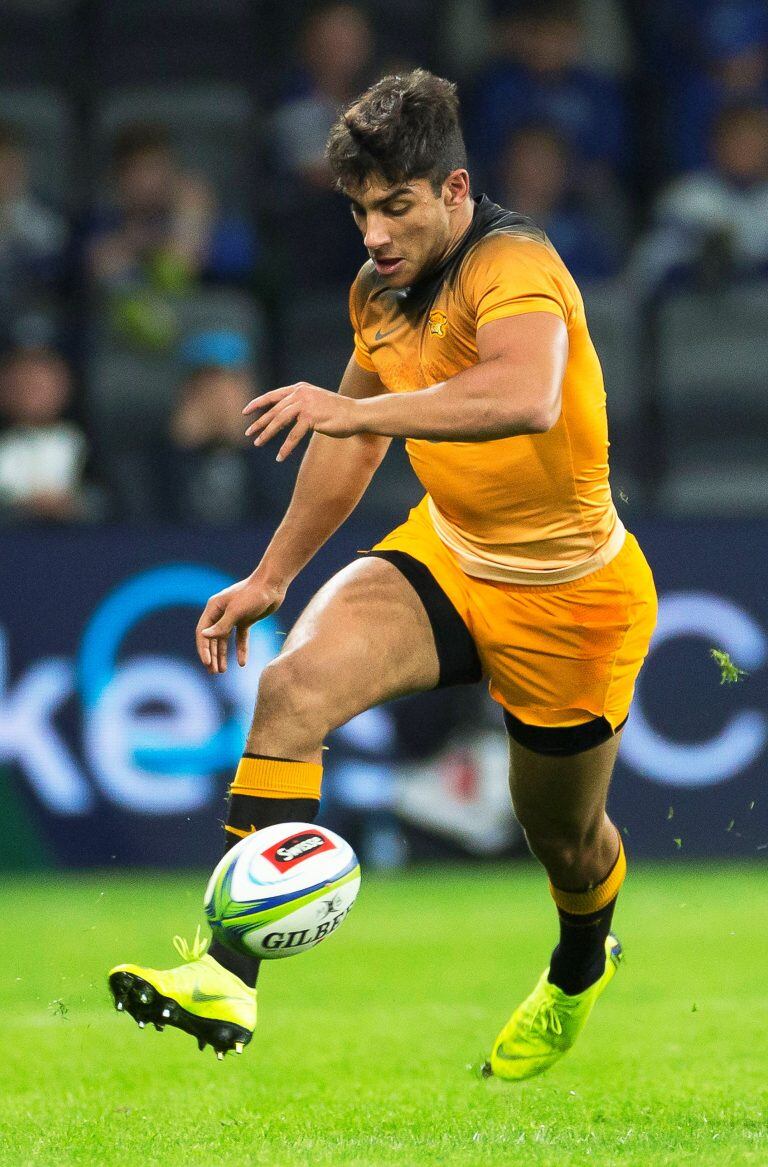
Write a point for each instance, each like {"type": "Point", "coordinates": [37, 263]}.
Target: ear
{"type": "Point", "coordinates": [456, 188]}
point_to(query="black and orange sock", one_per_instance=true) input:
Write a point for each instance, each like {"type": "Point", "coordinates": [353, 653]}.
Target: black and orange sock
{"type": "Point", "coordinates": [585, 921]}
{"type": "Point", "coordinates": [265, 791]}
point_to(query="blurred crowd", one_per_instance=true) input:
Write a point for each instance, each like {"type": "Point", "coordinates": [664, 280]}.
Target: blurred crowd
{"type": "Point", "coordinates": [170, 242]}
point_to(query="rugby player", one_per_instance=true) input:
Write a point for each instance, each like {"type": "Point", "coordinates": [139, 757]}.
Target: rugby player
{"type": "Point", "coordinates": [471, 343]}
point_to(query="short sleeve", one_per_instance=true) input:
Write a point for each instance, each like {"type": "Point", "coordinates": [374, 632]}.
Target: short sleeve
{"type": "Point", "coordinates": [362, 352]}
{"type": "Point", "coordinates": [509, 275]}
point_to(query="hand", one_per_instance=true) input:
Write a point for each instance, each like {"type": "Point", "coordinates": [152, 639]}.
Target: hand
{"type": "Point", "coordinates": [236, 607]}
{"type": "Point", "coordinates": [306, 406]}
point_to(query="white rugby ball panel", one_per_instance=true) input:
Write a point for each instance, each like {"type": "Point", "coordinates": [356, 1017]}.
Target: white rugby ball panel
{"type": "Point", "coordinates": [282, 889]}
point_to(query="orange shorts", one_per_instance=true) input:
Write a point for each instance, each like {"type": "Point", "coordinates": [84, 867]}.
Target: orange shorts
{"type": "Point", "coordinates": [555, 654]}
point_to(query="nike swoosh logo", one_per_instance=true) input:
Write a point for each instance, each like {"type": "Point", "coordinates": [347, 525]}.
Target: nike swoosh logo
{"type": "Point", "coordinates": [505, 1057]}
{"type": "Point", "coordinates": [380, 335]}
{"type": "Point", "coordinates": [198, 995]}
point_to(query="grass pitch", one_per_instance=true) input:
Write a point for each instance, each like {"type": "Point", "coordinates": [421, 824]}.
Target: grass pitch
{"type": "Point", "coordinates": [368, 1048]}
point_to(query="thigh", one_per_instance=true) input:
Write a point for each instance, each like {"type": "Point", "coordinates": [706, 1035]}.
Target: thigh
{"type": "Point", "coordinates": [552, 795]}
{"type": "Point", "coordinates": [562, 655]}
{"type": "Point", "coordinates": [364, 638]}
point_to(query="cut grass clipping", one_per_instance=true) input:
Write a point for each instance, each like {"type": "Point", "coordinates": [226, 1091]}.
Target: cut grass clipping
{"type": "Point", "coordinates": [729, 673]}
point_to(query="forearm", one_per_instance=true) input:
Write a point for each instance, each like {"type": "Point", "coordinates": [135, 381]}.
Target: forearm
{"type": "Point", "coordinates": [333, 477]}
{"type": "Point", "coordinates": [480, 404]}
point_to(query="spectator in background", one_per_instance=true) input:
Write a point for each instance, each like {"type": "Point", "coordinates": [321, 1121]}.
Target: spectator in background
{"type": "Point", "coordinates": [162, 235]}
{"type": "Point", "coordinates": [537, 179]}
{"type": "Point", "coordinates": [539, 76]}
{"type": "Point", "coordinates": [42, 454]}
{"type": "Point", "coordinates": [711, 226]}
{"type": "Point", "coordinates": [334, 57]}
{"type": "Point", "coordinates": [32, 242]}
{"type": "Point", "coordinates": [216, 477]}
{"type": "Point", "coordinates": [735, 47]}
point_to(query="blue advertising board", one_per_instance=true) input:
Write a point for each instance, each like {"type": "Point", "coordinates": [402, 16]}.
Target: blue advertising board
{"type": "Point", "coordinates": [117, 748]}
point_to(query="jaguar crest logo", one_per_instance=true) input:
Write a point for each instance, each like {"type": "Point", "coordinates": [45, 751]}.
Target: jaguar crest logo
{"type": "Point", "coordinates": [438, 322]}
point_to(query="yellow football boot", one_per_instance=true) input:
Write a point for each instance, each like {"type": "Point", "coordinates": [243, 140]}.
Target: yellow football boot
{"type": "Point", "coordinates": [547, 1024]}
{"type": "Point", "coordinates": [200, 996]}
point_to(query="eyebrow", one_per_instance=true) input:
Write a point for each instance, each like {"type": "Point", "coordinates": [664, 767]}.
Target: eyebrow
{"type": "Point", "coordinates": [389, 198]}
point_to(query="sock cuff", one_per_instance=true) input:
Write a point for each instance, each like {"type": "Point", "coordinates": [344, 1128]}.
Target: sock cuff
{"type": "Point", "coordinates": [277, 778]}
{"type": "Point", "coordinates": [582, 903]}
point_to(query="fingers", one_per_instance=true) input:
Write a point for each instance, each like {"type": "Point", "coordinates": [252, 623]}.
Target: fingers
{"type": "Point", "coordinates": [267, 416]}
{"type": "Point", "coordinates": [214, 655]}
{"type": "Point", "coordinates": [279, 422]}
{"type": "Point", "coordinates": [294, 437]}
{"type": "Point", "coordinates": [211, 636]}
{"type": "Point", "coordinates": [211, 613]}
{"type": "Point", "coordinates": [242, 645]}
{"type": "Point", "coordinates": [268, 398]}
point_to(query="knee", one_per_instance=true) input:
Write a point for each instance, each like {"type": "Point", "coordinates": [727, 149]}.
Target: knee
{"type": "Point", "coordinates": [569, 848]}
{"type": "Point", "coordinates": [289, 693]}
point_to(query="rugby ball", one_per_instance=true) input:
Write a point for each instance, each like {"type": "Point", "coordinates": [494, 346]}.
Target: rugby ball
{"type": "Point", "coordinates": [282, 890]}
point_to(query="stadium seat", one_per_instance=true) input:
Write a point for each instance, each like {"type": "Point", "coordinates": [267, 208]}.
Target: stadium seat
{"type": "Point", "coordinates": [316, 344]}
{"type": "Point", "coordinates": [214, 129]}
{"type": "Point", "coordinates": [45, 122]}
{"type": "Point", "coordinates": [729, 488]}
{"type": "Point", "coordinates": [712, 373]}
{"type": "Point", "coordinates": [713, 349]}
{"type": "Point", "coordinates": [135, 389]}
{"type": "Point", "coordinates": [316, 338]}
{"type": "Point", "coordinates": [130, 395]}
{"type": "Point", "coordinates": [221, 308]}
{"type": "Point", "coordinates": [615, 325]}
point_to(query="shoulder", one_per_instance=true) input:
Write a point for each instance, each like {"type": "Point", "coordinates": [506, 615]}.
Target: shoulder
{"type": "Point", "coordinates": [366, 279]}
{"type": "Point", "coordinates": [364, 284]}
{"type": "Point", "coordinates": [509, 272]}
{"type": "Point", "coordinates": [511, 254]}
{"type": "Point", "coordinates": [508, 243]}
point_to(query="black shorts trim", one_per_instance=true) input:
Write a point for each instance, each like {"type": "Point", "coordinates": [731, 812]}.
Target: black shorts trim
{"type": "Point", "coordinates": [560, 741]}
{"type": "Point", "coordinates": [456, 650]}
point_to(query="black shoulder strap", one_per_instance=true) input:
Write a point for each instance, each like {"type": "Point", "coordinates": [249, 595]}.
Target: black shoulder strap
{"type": "Point", "coordinates": [417, 299]}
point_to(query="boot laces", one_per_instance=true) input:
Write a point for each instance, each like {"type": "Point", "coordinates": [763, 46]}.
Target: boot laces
{"type": "Point", "coordinates": [547, 1017]}
{"type": "Point", "coordinates": [189, 952]}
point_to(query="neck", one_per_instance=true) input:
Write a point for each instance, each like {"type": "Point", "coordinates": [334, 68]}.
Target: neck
{"type": "Point", "coordinates": [463, 221]}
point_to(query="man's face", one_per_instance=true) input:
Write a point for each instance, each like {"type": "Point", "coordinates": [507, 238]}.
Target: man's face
{"type": "Point", "coordinates": [407, 228]}
{"type": "Point", "coordinates": [146, 180]}
{"type": "Point", "coordinates": [13, 176]}
{"type": "Point", "coordinates": [534, 169]}
{"type": "Point", "coordinates": [35, 389]}
{"type": "Point", "coordinates": [741, 148]}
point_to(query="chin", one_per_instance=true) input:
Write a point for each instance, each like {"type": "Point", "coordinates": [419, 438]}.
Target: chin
{"type": "Point", "coordinates": [399, 281]}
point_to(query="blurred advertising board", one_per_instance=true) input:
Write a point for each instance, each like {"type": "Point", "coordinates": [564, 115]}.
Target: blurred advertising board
{"type": "Point", "coordinates": [116, 748]}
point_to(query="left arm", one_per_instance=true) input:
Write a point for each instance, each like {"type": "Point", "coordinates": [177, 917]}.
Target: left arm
{"type": "Point", "coordinates": [515, 388]}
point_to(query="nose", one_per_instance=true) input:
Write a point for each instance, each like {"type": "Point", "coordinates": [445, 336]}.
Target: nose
{"type": "Point", "coordinates": [376, 235]}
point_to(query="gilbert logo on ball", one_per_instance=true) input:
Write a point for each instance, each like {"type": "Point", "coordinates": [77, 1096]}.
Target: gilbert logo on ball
{"type": "Point", "coordinates": [282, 890]}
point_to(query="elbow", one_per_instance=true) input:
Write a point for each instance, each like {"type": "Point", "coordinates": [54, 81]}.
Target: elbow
{"type": "Point", "coordinates": [545, 418]}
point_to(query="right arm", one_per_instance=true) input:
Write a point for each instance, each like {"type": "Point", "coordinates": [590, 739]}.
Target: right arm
{"type": "Point", "coordinates": [333, 477]}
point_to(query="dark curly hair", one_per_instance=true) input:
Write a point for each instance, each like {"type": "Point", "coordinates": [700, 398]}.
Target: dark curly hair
{"type": "Point", "coordinates": [402, 128]}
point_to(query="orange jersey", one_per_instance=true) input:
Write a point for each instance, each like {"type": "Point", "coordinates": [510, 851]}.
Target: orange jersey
{"type": "Point", "coordinates": [530, 509]}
